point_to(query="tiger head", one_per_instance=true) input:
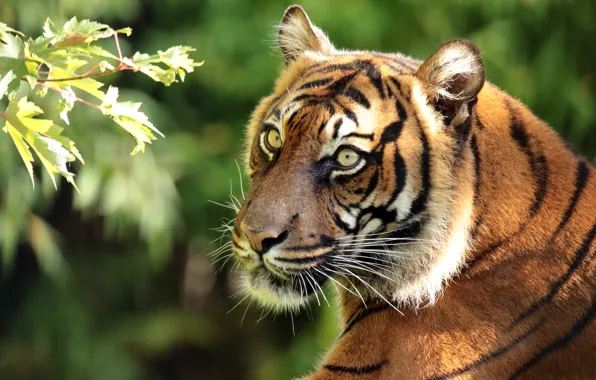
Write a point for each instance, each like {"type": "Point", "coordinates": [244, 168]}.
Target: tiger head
{"type": "Point", "coordinates": [357, 173]}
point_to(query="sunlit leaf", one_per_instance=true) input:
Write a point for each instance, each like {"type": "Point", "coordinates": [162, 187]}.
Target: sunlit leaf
{"type": "Point", "coordinates": [128, 116]}
{"type": "Point", "coordinates": [5, 81]}
{"type": "Point", "coordinates": [43, 136]}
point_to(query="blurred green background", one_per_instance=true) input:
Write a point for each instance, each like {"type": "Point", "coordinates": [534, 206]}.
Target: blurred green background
{"type": "Point", "coordinates": [114, 282]}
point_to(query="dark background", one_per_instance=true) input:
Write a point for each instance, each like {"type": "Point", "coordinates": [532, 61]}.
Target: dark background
{"type": "Point", "coordinates": [114, 282]}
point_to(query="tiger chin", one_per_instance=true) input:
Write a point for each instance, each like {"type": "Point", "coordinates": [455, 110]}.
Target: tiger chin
{"type": "Point", "coordinates": [457, 227]}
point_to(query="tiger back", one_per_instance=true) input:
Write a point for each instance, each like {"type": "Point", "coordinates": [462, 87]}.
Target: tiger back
{"type": "Point", "coordinates": [457, 227]}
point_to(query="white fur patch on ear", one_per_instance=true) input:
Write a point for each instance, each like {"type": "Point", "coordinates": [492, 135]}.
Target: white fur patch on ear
{"type": "Point", "coordinates": [298, 35]}
{"type": "Point", "coordinates": [454, 72]}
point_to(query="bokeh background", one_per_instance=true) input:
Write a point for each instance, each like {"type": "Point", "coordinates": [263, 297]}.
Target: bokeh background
{"type": "Point", "coordinates": [114, 283]}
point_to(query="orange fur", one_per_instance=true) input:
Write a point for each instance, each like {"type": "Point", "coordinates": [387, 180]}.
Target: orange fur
{"type": "Point", "coordinates": [489, 220]}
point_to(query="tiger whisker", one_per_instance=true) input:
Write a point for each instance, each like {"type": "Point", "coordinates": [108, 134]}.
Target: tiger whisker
{"type": "Point", "coordinates": [334, 281]}
{"type": "Point", "coordinates": [389, 253]}
{"type": "Point", "coordinates": [365, 258]}
{"type": "Point", "coordinates": [373, 289]}
{"type": "Point", "coordinates": [292, 319]}
{"type": "Point", "coordinates": [224, 264]}
{"type": "Point", "coordinates": [217, 251]}
{"type": "Point", "coordinates": [229, 255]}
{"type": "Point", "coordinates": [378, 233]}
{"type": "Point", "coordinates": [262, 316]}
{"type": "Point", "coordinates": [231, 207]}
{"type": "Point", "coordinates": [367, 269]}
{"type": "Point", "coordinates": [240, 177]}
{"type": "Point", "coordinates": [235, 306]}
{"type": "Point", "coordinates": [244, 315]}
{"type": "Point", "coordinates": [316, 295]}
{"type": "Point", "coordinates": [319, 286]}
{"type": "Point", "coordinates": [351, 283]}
{"type": "Point", "coordinates": [233, 197]}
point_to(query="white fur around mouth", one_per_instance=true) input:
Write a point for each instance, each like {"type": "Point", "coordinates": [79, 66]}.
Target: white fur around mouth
{"type": "Point", "coordinates": [271, 293]}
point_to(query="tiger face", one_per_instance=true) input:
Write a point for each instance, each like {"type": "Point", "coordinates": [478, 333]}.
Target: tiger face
{"type": "Point", "coordinates": [351, 165]}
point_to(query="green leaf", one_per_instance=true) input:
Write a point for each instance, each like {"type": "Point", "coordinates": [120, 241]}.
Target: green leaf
{"type": "Point", "coordinates": [77, 32]}
{"type": "Point", "coordinates": [43, 136]}
{"type": "Point", "coordinates": [175, 59]}
{"type": "Point", "coordinates": [90, 86]}
{"type": "Point", "coordinates": [6, 30]}
{"type": "Point", "coordinates": [12, 56]}
{"type": "Point", "coordinates": [66, 103]}
{"type": "Point", "coordinates": [22, 148]}
{"type": "Point", "coordinates": [128, 116]}
{"type": "Point", "coordinates": [5, 81]}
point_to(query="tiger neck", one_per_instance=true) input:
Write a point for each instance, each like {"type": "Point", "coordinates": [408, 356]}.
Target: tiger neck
{"type": "Point", "coordinates": [505, 186]}
{"type": "Point", "coordinates": [524, 173]}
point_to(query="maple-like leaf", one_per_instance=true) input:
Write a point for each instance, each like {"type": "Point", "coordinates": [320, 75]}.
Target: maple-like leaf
{"type": "Point", "coordinates": [128, 116]}
{"type": "Point", "coordinates": [65, 61]}
{"type": "Point", "coordinates": [43, 136]}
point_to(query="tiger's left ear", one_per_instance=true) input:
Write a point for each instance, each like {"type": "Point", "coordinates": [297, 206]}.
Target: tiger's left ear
{"type": "Point", "coordinates": [453, 76]}
{"type": "Point", "coordinates": [298, 35]}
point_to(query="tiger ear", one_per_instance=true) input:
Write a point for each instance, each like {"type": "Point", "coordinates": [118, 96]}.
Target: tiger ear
{"type": "Point", "coordinates": [453, 77]}
{"type": "Point", "coordinates": [298, 35]}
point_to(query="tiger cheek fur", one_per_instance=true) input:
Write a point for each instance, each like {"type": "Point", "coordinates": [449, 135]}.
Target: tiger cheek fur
{"type": "Point", "coordinates": [403, 184]}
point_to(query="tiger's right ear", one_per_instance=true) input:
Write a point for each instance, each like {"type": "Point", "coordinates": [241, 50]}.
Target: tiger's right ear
{"type": "Point", "coordinates": [298, 35]}
{"type": "Point", "coordinates": [453, 76]}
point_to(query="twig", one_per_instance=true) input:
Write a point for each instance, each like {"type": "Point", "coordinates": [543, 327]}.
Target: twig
{"type": "Point", "coordinates": [74, 97]}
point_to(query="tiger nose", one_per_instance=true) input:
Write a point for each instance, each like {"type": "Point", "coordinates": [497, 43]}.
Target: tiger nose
{"type": "Point", "coordinates": [263, 239]}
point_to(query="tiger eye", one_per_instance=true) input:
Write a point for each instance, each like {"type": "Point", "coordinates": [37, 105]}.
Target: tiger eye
{"type": "Point", "coordinates": [273, 139]}
{"type": "Point", "coordinates": [347, 158]}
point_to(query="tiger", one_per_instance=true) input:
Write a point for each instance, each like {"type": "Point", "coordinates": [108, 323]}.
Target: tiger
{"type": "Point", "coordinates": [457, 227]}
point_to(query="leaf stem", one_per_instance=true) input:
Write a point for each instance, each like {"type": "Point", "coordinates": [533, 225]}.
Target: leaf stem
{"type": "Point", "coordinates": [4, 116]}
{"type": "Point", "coordinates": [75, 97]}
{"type": "Point", "coordinates": [118, 46]}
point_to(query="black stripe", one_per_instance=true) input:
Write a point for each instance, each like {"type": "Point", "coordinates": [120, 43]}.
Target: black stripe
{"type": "Point", "coordinates": [315, 83]}
{"type": "Point", "coordinates": [477, 162]}
{"type": "Point", "coordinates": [355, 65]}
{"type": "Point", "coordinates": [538, 164]}
{"type": "Point", "coordinates": [357, 370]}
{"type": "Point", "coordinates": [361, 316]}
{"type": "Point", "coordinates": [373, 74]}
{"type": "Point", "coordinates": [391, 132]}
{"type": "Point", "coordinates": [580, 256]}
{"type": "Point", "coordinates": [324, 242]}
{"type": "Point", "coordinates": [325, 103]}
{"type": "Point", "coordinates": [401, 172]}
{"type": "Point", "coordinates": [403, 63]}
{"type": "Point", "coordinates": [487, 357]}
{"type": "Point", "coordinates": [368, 136]}
{"type": "Point", "coordinates": [397, 84]}
{"type": "Point", "coordinates": [357, 96]}
{"type": "Point", "coordinates": [419, 204]}
{"type": "Point", "coordinates": [291, 121]}
{"type": "Point", "coordinates": [322, 127]}
{"type": "Point", "coordinates": [338, 220]}
{"type": "Point", "coordinates": [301, 260]}
{"type": "Point", "coordinates": [538, 169]}
{"type": "Point", "coordinates": [394, 68]}
{"type": "Point", "coordinates": [349, 114]}
{"type": "Point", "coordinates": [276, 113]}
{"type": "Point", "coordinates": [389, 90]}
{"type": "Point", "coordinates": [561, 342]}
{"type": "Point", "coordinates": [337, 126]}
{"type": "Point", "coordinates": [581, 179]}
{"type": "Point", "coordinates": [372, 184]}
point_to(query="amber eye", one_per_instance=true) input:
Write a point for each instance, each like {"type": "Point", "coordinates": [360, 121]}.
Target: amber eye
{"type": "Point", "coordinates": [348, 158]}
{"type": "Point", "coordinates": [273, 139]}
